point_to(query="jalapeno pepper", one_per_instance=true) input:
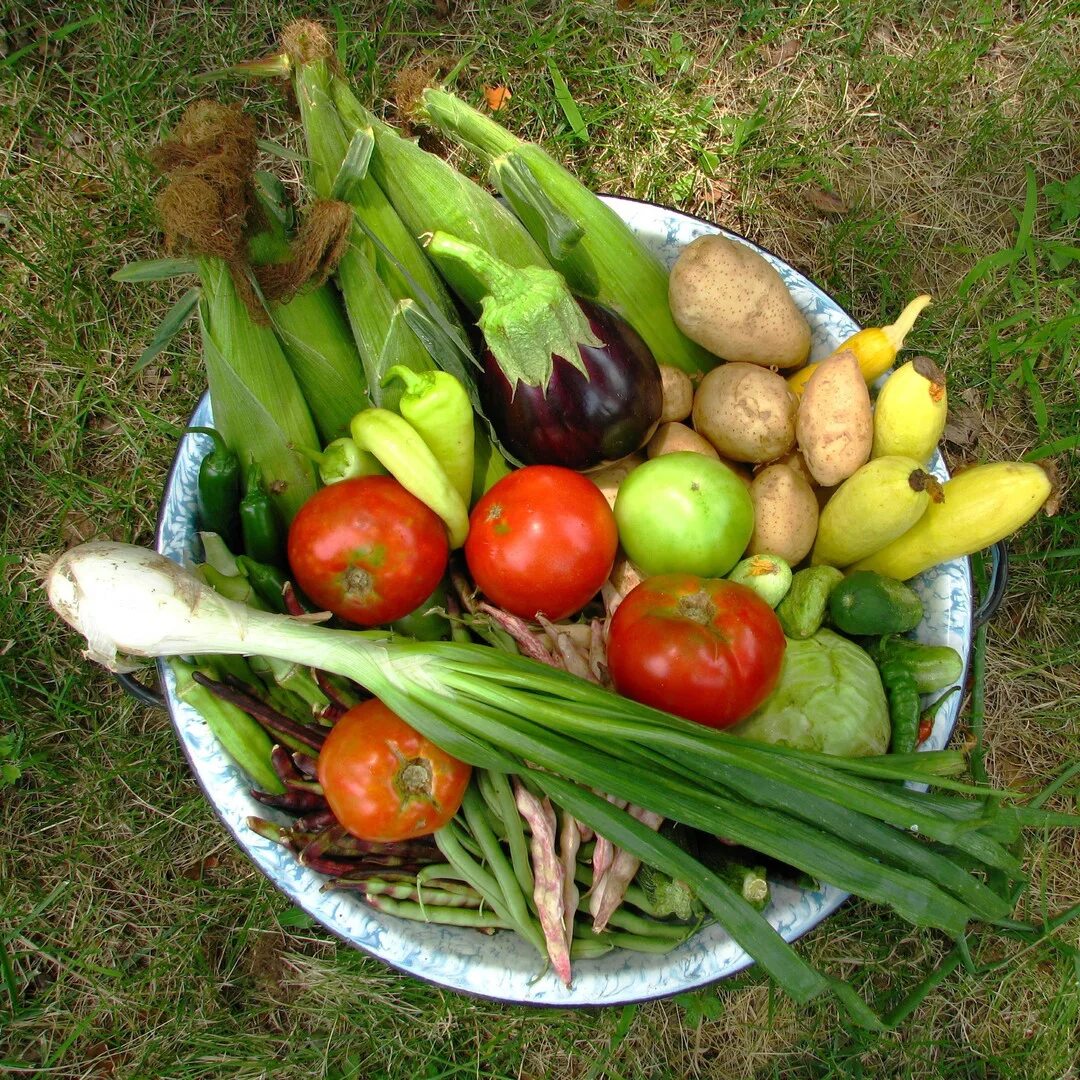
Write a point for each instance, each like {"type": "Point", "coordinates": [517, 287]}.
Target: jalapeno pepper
{"type": "Point", "coordinates": [258, 521]}
{"type": "Point", "coordinates": [405, 455]}
{"type": "Point", "coordinates": [219, 488]}
{"type": "Point", "coordinates": [903, 695]}
{"type": "Point", "coordinates": [438, 407]}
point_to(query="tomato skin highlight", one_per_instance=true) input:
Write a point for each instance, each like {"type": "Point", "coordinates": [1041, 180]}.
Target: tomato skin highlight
{"type": "Point", "coordinates": [367, 550]}
{"type": "Point", "coordinates": [541, 540]}
{"type": "Point", "coordinates": [383, 780]}
{"type": "Point", "coordinates": [704, 649]}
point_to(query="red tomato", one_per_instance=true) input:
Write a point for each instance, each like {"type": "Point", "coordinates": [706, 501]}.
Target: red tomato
{"type": "Point", "coordinates": [367, 550]}
{"type": "Point", "coordinates": [543, 539]}
{"type": "Point", "coordinates": [702, 648]}
{"type": "Point", "coordinates": [383, 780]}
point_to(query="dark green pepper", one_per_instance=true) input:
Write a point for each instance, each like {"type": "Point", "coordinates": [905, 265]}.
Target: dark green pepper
{"type": "Point", "coordinates": [219, 489]}
{"type": "Point", "coordinates": [904, 714]}
{"type": "Point", "coordinates": [258, 521]}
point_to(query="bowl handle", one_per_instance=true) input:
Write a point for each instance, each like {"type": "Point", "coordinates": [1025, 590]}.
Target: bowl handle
{"type": "Point", "coordinates": [996, 584]}
{"type": "Point", "coordinates": [153, 698]}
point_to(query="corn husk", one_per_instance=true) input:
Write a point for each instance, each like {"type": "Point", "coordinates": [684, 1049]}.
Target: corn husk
{"type": "Point", "coordinates": [431, 196]}
{"type": "Point", "coordinates": [594, 249]}
{"type": "Point", "coordinates": [372, 276]}
{"type": "Point", "coordinates": [311, 326]}
{"type": "Point", "coordinates": [257, 403]}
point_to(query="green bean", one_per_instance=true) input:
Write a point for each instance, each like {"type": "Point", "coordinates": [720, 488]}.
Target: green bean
{"type": "Point", "coordinates": [446, 916]}
{"type": "Point", "coordinates": [501, 801]}
{"type": "Point", "coordinates": [475, 811]}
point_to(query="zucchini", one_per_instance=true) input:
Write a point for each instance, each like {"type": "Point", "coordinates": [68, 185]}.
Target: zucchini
{"type": "Point", "coordinates": [867, 603]}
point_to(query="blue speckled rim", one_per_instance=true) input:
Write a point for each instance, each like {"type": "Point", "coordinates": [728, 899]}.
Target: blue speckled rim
{"type": "Point", "coordinates": [502, 967]}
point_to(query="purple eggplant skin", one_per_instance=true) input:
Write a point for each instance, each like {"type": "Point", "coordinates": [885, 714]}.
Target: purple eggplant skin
{"type": "Point", "coordinates": [576, 422]}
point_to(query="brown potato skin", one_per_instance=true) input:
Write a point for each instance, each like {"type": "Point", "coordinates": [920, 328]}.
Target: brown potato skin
{"type": "Point", "coordinates": [678, 393]}
{"type": "Point", "coordinates": [835, 421]}
{"type": "Point", "coordinates": [608, 478]}
{"type": "Point", "coordinates": [785, 514]}
{"type": "Point", "coordinates": [673, 437]}
{"type": "Point", "coordinates": [729, 299]}
{"type": "Point", "coordinates": [747, 412]}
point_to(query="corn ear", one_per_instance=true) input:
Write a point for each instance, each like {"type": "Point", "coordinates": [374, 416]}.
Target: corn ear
{"type": "Point", "coordinates": [337, 171]}
{"type": "Point", "coordinates": [257, 403]}
{"type": "Point", "coordinates": [594, 249]}
{"type": "Point", "coordinates": [319, 346]}
{"type": "Point", "coordinates": [312, 328]}
{"type": "Point", "coordinates": [430, 195]}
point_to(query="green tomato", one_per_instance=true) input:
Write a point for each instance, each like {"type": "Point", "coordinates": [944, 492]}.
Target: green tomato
{"type": "Point", "coordinates": [684, 513]}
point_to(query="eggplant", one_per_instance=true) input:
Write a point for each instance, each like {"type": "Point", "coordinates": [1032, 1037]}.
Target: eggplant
{"type": "Point", "coordinates": [565, 381]}
{"type": "Point", "coordinates": [579, 420]}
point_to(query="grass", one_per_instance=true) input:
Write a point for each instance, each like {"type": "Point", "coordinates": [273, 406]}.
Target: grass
{"type": "Point", "coordinates": [134, 940]}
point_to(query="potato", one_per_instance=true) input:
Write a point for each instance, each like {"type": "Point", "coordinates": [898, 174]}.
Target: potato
{"type": "Point", "coordinates": [611, 476]}
{"type": "Point", "coordinates": [796, 461]}
{"type": "Point", "coordinates": [678, 393]}
{"type": "Point", "coordinates": [746, 412]}
{"type": "Point", "coordinates": [729, 299]}
{"type": "Point", "coordinates": [625, 576]}
{"type": "Point", "coordinates": [670, 438]}
{"type": "Point", "coordinates": [785, 514]}
{"type": "Point", "coordinates": [835, 421]}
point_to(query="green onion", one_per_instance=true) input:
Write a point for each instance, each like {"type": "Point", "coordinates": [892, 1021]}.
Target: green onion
{"type": "Point", "coordinates": [564, 737]}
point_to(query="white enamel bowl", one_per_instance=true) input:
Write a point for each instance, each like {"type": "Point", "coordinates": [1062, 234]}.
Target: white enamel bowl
{"type": "Point", "coordinates": [503, 966]}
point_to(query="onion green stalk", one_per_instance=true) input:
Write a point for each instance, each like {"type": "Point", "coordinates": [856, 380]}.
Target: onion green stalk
{"type": "Point", "coordinates": [586, 241]}
{"type": "Point", "coordinates": [565, 737]}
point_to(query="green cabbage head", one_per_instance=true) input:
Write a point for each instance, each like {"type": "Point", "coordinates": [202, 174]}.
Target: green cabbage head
{"type": "Point", "coordinates": [829, 698]}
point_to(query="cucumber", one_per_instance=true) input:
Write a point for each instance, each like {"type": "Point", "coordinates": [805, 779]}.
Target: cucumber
{"type": "Point", "coordinates": [933, 667]}
{"type": "Point", "coordinates": [868, 603]}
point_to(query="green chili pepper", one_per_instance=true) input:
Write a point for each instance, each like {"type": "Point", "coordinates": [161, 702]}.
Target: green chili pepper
{"type": "Point", "coordinates": [258, 521]}
{"type": "Point", "coordinates": [438, 407]}
{"type": "Point", "coordinates": [240, 736]}
{"type": "Point", "coordinates": [904, 714]}
{"type": "Point", "coordinates": [402, 451]}
{"type": "Point", "coordinates": [267, 581]}
{"type": "Point", "coordinates": [219, 488]}
{"type": "Point", "coordinates": [344, 460]}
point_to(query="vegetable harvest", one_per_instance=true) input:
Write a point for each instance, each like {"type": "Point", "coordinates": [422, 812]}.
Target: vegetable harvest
{"type": "Point", "coordinates": [526, 544]}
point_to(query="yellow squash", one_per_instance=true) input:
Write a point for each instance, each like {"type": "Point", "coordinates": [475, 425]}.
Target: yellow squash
{"type": "Point", "coordinates": [876, 346]}
{"type": "Point", "coordinates": [981, 505]}
{"type": "Point", "coordinates": [871, 508]}
{"type": "Point", "coordinates": [910, 412]}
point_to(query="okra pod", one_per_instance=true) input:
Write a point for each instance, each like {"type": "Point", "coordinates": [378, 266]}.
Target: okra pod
{"type": "Point", "coordinates": [245, 742]}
